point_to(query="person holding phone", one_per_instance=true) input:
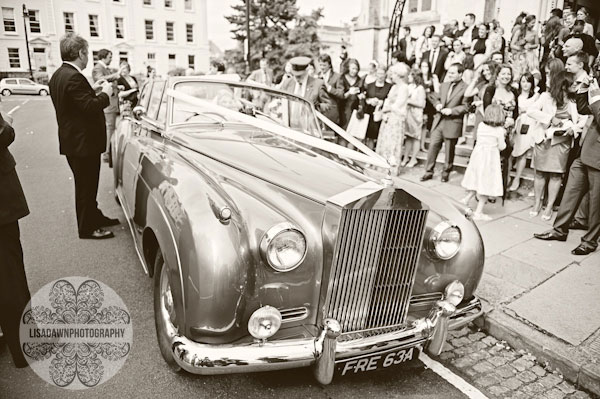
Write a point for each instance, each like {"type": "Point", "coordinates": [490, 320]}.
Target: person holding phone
{"type": "Point", "coordinates": [129, 87]}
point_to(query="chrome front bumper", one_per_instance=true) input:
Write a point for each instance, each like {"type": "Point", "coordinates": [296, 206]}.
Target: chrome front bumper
{"type": "Point", "coordinates": [322, 351]}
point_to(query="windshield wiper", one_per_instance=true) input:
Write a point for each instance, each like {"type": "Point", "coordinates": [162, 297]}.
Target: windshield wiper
{"type": "Point", "coordinates": [215, 120]}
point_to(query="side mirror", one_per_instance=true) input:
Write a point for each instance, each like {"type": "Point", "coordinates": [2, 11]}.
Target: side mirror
{"type": "Point", "coordinates": [138, 111]}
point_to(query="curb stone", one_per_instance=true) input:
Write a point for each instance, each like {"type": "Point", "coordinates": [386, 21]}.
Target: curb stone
{"type": "Point", "coordinates": [557, 355]}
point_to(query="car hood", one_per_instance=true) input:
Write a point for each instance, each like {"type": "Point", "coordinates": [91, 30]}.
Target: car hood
{"type": "Point", "coordinates": [291, 165]}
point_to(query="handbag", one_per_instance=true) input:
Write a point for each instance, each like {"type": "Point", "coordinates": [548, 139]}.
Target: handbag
{"type": "Point", "coordinates": [378, 113]}
{"type": "Point", "coordinates": [358, 127]}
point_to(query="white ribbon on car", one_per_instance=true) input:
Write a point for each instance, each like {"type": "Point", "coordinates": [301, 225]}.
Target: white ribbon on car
{"type": "Point", "coordinates": [368, 156]}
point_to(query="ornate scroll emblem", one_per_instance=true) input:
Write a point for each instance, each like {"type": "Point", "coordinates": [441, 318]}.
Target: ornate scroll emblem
{"type": "Point", "coordinates": [76, 333]}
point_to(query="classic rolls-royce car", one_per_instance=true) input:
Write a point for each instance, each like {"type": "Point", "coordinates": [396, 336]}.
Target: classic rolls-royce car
{"type": "Point", "coordinates": [272, 248]}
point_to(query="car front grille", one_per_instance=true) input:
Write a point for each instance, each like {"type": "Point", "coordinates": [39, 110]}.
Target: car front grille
{"type": "Point", "coordinates": [373, 267]}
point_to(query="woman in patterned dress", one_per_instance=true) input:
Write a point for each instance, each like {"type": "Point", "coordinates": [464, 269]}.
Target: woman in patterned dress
{"type": "Point", "coordinates": [389, 143]}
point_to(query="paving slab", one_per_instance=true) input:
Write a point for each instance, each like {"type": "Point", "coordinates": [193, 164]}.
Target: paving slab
{"type": "Point", "coordinates": [503, 234]}
{"type": "Point", "coordinates": [515, 272]}
{"type": "Point", "coordinates": [563, 304]}
{"type": "Point", "coordinates": [551, 256]}
{"type": "Point", "coordinates": [496, 291]}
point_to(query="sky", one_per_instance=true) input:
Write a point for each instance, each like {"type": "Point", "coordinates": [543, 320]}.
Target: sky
{"type": "Point", "coordinates": [336, 12]}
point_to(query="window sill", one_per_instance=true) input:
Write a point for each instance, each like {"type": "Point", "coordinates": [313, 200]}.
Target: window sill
{"type": "Point", "coordinates": [11, 33]}
{"type": "Point", "coordinates": [421, 16]}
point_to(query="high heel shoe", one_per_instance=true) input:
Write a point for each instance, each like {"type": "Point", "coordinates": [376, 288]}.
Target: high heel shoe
{"type": "Point", "coordinates": [546, 217]}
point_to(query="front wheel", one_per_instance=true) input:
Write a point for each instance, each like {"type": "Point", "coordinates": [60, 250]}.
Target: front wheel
{"type": "Point", "coordinates": [6, 92]}
{"type": "Point", "coordinates": [164, 311]}
{"type": "Point", "coordinates": [43, 92]}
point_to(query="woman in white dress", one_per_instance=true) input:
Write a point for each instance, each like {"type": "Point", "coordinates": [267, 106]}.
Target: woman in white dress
{"type": "Point", "coordinates": [483, 177]}
{"type": "Point", "coordinates": [391, 133]}
{"type": "Point", "coordinates": [423, 43]}
{"type": "Point", "coordinates": [523, 138]}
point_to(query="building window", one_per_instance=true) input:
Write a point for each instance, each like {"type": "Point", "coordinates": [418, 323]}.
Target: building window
{"type": "Point", "coordinates": [95, 57]}
{"type": "Point", "coordinates": [93, 25]}
{"type": "Point", "coordinates": [123, 57]}
{"type": "Point", "coordinates": [425, 5]}
{"type": "Point", "coordinates": [419, 5]}
{"type": "Point", "coordinates": [69, 21]}
{"type": "Point", "coordinates": [8, 15]}
{"type": "Point", "coordinates": [34, 21]}
{"type": "Point", "coordinates": [172, 61]}
{"type": "Point", "coordinates": [13, 58]}
{"type": "Point", "coordinates": [413, 5]}
{"type": "Point", "coordinates": [119, 28]}
{"type": "Point", "coordinates": [149, 29]}
{"type": "Point", "coordinates": [168, 3]}
{"type": "Point", "coordinates": [191, 61]}
{"type": "Point", "coordinates": [147, 2]}
{"type": "Point", "coordinates": [189, 32]}
{"type": "Point", "coordinates": [188, 4]}
{"type": "Point", "coordinates": [170, 31]}
{"type": "Point", "coordinates": [151, 56]}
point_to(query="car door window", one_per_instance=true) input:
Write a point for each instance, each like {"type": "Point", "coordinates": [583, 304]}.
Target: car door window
{"type": "Point", "coordinates": [162, 112]}
{"type": "Point", "coordinates": [155, 99]}
{"type": "Point", "coordinates": [11, 81]}
{"type": "Point", "coordinates": [26, 82]}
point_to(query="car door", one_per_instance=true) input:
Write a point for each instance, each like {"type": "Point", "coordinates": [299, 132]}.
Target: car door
{"type": "Point", "coordinates": [26, 86]}
{"type": "Point", "coordinates": [141, 153]}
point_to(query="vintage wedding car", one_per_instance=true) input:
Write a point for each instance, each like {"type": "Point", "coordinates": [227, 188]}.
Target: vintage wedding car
{"type": "Point", "coordinates": [273, 248]}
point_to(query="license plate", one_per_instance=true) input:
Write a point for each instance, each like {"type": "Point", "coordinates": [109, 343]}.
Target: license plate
{"type": "Point", "coordinates": [376, 361]}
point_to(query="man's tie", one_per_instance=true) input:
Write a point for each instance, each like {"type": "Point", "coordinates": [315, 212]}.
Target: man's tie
{"type": "Point", "coordinates": [450, 91]}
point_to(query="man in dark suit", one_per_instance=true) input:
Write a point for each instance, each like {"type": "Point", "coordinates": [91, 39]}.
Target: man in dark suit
{"type": "Point", "coordinates": [584, 177]}
{"type": "Point", "coordinates": [333, 86]}
{"type": "Point", "coordinates": [303, 85]}
{"type": "Point", "coordinates": [81, 132]}
{"type": "Point", "coordinates": [436, 57]}
{"type": "Point", "coordinates": [451, 106]}
{"type": "Point", "coordinates": [14, 292]}
{"type": "Point", "coordinates": [407, 46]}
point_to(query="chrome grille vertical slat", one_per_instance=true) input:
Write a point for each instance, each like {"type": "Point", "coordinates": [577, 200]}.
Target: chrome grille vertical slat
{"type": "Point", "coordinates": [373, 267]}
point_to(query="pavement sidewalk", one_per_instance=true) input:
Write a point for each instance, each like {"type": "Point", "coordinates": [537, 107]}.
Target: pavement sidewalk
{"type": "Point", "coordinates": [537, 296]}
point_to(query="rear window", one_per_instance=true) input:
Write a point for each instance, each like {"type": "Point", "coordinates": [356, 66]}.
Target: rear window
{"type": "Point", "coordinates": [10, 81]}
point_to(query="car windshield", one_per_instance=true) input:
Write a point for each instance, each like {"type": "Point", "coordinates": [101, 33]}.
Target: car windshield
{"type": "Point", "coordinates": [283, 109]}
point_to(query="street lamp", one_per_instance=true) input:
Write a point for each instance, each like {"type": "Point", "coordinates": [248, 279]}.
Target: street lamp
{"type": "Point", "coordinates": [25, 16]}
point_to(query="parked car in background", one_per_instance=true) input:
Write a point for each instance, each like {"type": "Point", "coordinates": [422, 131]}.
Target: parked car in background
{"type": "Point", "coordinates": [272, 248]}
{"type": "Point", "coordinates": [10, 86]}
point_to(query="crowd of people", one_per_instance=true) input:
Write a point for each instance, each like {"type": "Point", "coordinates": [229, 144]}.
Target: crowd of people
{"type": "Point", "coordinates": [526, 96]}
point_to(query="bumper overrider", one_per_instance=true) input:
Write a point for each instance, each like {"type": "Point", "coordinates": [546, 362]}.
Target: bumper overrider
{"type": "Point", "coordinates": [325, 350]}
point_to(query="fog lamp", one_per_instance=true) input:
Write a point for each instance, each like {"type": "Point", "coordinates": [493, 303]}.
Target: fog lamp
{"type": "Point", "coordinates": [264, 322]}
{"type": "Point", "coordinates": [454, 292]}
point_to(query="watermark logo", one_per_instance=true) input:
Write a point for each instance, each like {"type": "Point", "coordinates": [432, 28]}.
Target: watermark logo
{"type": "Point", "coordinates": [76, 333]}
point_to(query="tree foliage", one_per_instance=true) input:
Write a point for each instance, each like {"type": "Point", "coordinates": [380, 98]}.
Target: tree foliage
{"type": "Point", "coordinates": [277, 32]}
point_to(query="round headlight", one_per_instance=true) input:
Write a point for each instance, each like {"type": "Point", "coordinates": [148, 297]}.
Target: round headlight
{"type": "Point", "coordinates": [283, 247]}
{"type": "Point", "coordinates": [445, 240]}
{"type": "Point", "coordinates": [264, 322]}
{"type": "Point", "coordinates": [454, 292]}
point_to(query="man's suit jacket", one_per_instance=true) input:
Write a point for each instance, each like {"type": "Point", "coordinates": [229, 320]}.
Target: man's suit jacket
{"type": "Point", "coordinates": [12, 200]}
{"type": "Point", "coordinates": [99, 72]}
{"type": "Point", "coordinates": [336, 94]}
{"type": "Point", "coordinates": [590, 147]}
{"type": "Point", "coordinates": [259, 76]}
{"type": "Point", "coordinates": [438, 69]}
{"type": "Point", "coordinates": [315, 93]}
{"type": "Point", "coordinates": [79, 113]}
{"type": "Point", "coordinates": [451, 126]}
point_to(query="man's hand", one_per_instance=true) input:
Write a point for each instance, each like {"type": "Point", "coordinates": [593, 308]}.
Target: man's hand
{"type": "Point", "coordinates": [97, 86]}
{"type": "Point", "coordinates": [446, 111]}
{"type": "Point", "coordinates": [438, 107]}
{"type": "Point", "coordinates": [107, 88]}
{"type": "Point", "coordinates": [509, 122]}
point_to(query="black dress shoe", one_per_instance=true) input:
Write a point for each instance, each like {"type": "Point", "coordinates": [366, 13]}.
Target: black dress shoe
{"type": "Point", "coordinates": [427, 176]}
{"type": "Point", "coordinates": [98, 234]}
{"type": "Point", "coordinates": [575, 225]}
{"type": "Point", "coordinates": [551, 235]}
{"type": "Point", "coordinates": [109, 222]}
{"type": "Point", "coordinates": [583, 249]}
{"type": "Point", "coordinates": [444, 178]}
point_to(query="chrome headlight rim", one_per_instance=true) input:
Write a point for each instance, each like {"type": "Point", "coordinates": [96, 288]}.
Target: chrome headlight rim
{"type": "Point", "coordinates": [436, 232]}
{"type": "Point", "coordinates": [270, 236]}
